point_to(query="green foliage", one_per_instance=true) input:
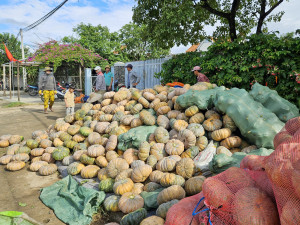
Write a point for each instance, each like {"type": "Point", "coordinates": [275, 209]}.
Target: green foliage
{"type": "Point", "coordinates": [97, 39]}
{"type": "Point", "coordinates": [137, 45]}
{"type": "Point", "coordinates": [131, 43]}
{"type": "Point", "coordinates": [182, 22]}
{"type": "Point", "coordinates": [258, 58]}
{"type": "Point", "coordinates": [56, 54]}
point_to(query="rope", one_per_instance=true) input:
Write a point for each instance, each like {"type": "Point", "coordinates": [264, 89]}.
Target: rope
{"type": "Point", "coordinates": [195, 212]}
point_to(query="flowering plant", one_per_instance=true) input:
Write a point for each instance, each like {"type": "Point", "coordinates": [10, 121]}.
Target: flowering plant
{"type": "Point", "coordinates": [55, 53]}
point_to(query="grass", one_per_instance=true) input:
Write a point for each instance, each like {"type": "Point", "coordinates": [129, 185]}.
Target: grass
{"type": "Point", "coordinates": [13, 104]}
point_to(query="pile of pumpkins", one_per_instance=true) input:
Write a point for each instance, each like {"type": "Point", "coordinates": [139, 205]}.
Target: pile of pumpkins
{"type": "Point", "coordinates": [87, 143]}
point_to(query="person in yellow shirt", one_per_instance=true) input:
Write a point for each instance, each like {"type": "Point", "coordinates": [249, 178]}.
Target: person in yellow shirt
{"type": "Point", "coordinates": [69, 100]}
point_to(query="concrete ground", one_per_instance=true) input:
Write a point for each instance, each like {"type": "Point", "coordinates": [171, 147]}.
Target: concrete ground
{"type": "Point", "coordinates": [17, 188]}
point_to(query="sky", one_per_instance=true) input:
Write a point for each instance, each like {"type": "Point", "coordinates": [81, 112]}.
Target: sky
{"type": "Point", "coordinates": [16, 14]}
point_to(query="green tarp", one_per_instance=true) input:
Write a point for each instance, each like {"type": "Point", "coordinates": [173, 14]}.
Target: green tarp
{"type": "Point", "coordinates": [256, 123]}
{"type": "Point", "coordinates": [134, 137]}
{"type": "Point", "coordinates": [73, 204]}
{"type": "Point", "coordinates": [272, 101]}
{"type": "Point", "coordinates": [16, 218]}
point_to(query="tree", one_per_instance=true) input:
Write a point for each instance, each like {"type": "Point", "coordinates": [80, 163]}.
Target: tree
{"type": "Point", "coordinates": [137, 45]}
{"type": "Point", "coordinates": [180, 22]}
{"type": "Point", "coordinates": [14, 46]}
{"type": "Point", "coordinates": [97, 39]}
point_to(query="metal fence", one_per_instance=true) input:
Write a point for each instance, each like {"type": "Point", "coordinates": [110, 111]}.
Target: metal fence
{"type": "Point", "coordinates": [145, 69]}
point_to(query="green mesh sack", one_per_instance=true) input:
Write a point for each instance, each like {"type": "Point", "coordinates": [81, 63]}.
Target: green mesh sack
{"type": "Point", "coordinates": [256, 123]}
{"type": "Point", "coordinates": [150, 198]}
{"type": "Point", "coordinates": [222, 162]}
{"type": "Point", "coordinates": [272, 101]}
{"type": "Point", "coordinates": [202, 99]}
{"type": "Point", "coordinates": [134, 137]}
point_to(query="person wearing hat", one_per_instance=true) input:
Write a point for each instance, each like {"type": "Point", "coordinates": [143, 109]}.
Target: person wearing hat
{"type": "Point", "coordinates": [133, 79]}
{"type": "Point", "coordinates": [200, 76]}
{"type": "Point", "coordinates": [109, 78]}
{"type": "Point", "coordinates": [47, 86]}
{"type": "Point", "coordinates": [100, 81]}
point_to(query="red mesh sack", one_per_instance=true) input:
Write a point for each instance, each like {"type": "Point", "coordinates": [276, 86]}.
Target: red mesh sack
{"type": "Point", "coordinates": [283, 170]}
{"type": "Point", "coordinates": [253, 162]}
{"type": "Point", "coordinates": [234, 197]}
{"type": "Point", "coordinates": [182, 212]}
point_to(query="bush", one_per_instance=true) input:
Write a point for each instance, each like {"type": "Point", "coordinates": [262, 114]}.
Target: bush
{"type": "Point", "coordinates": [268, 59]}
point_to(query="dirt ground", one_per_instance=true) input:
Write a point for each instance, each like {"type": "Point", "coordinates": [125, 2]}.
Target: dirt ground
{"type": "Point", "coordinates": [23, 186]}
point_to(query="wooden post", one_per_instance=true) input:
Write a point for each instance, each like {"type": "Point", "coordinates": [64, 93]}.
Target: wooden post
{"type": "Point", "coordinates": [4, 81]}
{"type": "Point", "coordinates": [18, 77]}
{"type": "Point", "coordinates": [10, 80]}
{"type": "Point", "coordinates": [80, 79]}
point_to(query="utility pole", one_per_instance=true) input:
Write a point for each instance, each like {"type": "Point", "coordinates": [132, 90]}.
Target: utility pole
{"type": "Point", "coordinates": [23, 58]}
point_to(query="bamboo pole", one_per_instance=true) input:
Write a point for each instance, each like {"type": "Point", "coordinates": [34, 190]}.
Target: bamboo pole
{"type": "Point", "coordinates": [80, 79]}
{"type": "Point", "coordinates": [4, 81]}
{"type": "Point", "coordinates": [18, 77]}
{"type": "Point", "coordinates": [10, 80]}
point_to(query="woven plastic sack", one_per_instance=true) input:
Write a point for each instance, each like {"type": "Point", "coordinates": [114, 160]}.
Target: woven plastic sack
{"type": "Point", "coordinates": [272, 101]}
{"type": "Point", "coordinates": [256, 123]}
{"type": "Point", "coordinates": [202, 99]}
{"type": "Point", "coordinates": [134, 137]}
{"type": "Point", "coordinates": [203, 159]}
{"type": "Point", "coordinates": [15, 217]}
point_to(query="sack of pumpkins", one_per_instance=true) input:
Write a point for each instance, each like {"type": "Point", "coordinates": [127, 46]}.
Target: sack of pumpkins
{"type": "Point", "coordinates": [110, 141]}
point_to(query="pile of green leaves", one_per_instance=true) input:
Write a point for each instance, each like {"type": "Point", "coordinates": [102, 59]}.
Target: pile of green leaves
{"type": "Point", "coordinates": [258, 58]}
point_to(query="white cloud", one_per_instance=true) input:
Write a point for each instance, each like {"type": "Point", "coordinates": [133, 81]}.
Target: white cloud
{"type": "Point", "coordinates": [114, 14]}
{"type": "Point", "coordinates": [62, 22]}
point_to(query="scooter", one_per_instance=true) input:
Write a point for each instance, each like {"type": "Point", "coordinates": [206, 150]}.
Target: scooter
{"type": "Point", "coordinates": [32, 90]}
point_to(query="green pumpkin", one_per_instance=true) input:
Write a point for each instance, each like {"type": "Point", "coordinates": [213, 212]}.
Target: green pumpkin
{"type": "Point", "coordinates": [111, 203]}
{"type": "Point", "coordinates": [60, 153]}
{"type": "Point", "coordinates": [134, 218]}
{"type": "Point", "coordinates": [32, 143]}
{"type": "Point", "coordinates": [87, 123]}
{"type": "Point", "coordinates": [80, 114]}
{"type": "Point", "coordinates": [75, 168]}
{"type": "Point", "coordinates": [152, 186]}
{"type": "Point", "coordinates": [85, 131]}
{"type": "Point", "coordinates": [192, 152]}
{"type": "Point", "coordinates": [163, 208]}
{"type": "Point", "coordinates": [106, 185]}
{"type": "Point", "coordinates": [85, 159]}
{"type": "Point", "coordinates": [150, 198]}
{"type": "Point", "coordinates": [106, 135]}
{"type": "Point", "coordinates": [70, 144]}
{"type": "Point", "coordinates": [172, 121]}
{"type": "Point", "coordinates": [23, 149]}
{"type": "Point", "coordinates": [87, 118]}
{"type": "Point", "coordinates": [80, 146]}
{"type": "Point", "coordinates": [65, 136]}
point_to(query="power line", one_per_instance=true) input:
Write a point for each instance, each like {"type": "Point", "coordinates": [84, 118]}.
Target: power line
{"type": "Point", "coordinates": [38, 22]}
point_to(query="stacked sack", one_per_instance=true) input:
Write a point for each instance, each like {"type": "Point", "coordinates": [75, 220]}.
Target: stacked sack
{"type": "Point", "coordinates": [265, 190]}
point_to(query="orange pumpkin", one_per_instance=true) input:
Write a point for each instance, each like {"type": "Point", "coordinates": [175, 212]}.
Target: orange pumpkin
{"type": "Point", "coordinates": [130, 202]}
{"type": "Point", "coordinates": [141, 173]}
{"type": "Point", "coordinates": [170, 193]}
{"type": "Point", "coordinates": [123, 186]}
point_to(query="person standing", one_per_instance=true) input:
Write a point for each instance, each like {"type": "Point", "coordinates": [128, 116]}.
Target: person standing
{"type": "Point", "coordinates": [109, 78]}
{"type": "Point", "coordinates": [69, 100]}
{"type": "Point", "coordinates": [200, 76]}
{"type": "Point", "coordinates": [100, 81]}
{"type": "Point", "coordinates": [47, 87]}
{"type": "Point", "coordinates": [133, 79]}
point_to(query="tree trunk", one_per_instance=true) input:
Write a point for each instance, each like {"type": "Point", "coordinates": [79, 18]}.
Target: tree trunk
{"type": "Point", "coordinates": [232, 29]}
